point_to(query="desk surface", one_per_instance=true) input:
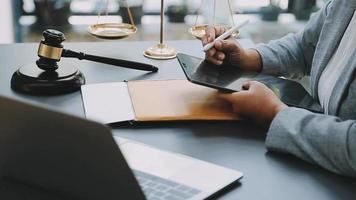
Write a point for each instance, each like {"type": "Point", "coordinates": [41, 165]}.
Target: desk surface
{"type": "Point", "coordinates": [238, 145]}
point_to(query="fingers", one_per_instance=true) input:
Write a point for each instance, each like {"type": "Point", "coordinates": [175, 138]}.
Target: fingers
{"type": "Point", "coordinates": [225, 96]}
{"type": "Point", "coordinates": [227, 46]}
{"type": "Point", "coordinates": [251, 84]}
{"type": "Point", "coordinates": [207, 38]}
{"type": "Point", "coordinates": [234, 97]}
{"type": "Point", "coordinates": [204, 40]}
{"type": "Point", "coordinates": [210, 34]}
{"type": "Point", "coordinates": [213, 31]}
{"type": "Point", "coordinates": [217, 58]}
{"type": "Point", "coordinates": [213, 60]}
{"type": "Point", "coordinates": [220, 56]}
{"type": "Point", "coordinates": [215, 55]}
{"type": "Point", "coordinates": [219, 30]}
{"type": "Point", "coordinates": [246, 85]}
{"type": "Point", "coordinates": [211, 52]}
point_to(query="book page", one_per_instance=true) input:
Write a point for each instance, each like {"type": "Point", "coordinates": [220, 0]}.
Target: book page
{"type": "Point", "coordinates": [107, 102]}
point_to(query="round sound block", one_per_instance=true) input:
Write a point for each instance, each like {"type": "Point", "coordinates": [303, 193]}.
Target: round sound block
{"type": "Point", "coordinates": [32, 80]}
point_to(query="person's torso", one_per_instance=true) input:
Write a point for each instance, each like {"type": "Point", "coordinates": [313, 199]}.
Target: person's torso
{"type": "Point", "coordinates": [341, 90]}
{"type": "Point", "coordinates": [340, 60]}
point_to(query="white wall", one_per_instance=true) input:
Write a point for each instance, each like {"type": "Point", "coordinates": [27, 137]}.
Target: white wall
{"type": "Point", "coordinates": [7, 29]}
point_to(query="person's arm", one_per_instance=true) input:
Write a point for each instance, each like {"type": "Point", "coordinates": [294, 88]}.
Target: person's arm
{"type": "Point", "coordinates": [292, 55]}
{"type": "Point", "coordinates": [320, 139]}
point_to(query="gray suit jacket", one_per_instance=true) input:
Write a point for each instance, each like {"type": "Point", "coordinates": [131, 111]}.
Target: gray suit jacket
{"type": "Point", "coordinates": [326, 140]}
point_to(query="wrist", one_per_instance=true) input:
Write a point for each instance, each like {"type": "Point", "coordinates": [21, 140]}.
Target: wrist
{"type": "Point", "coordinates": [253, 60]}
{"type": "Point", "coordinates": [278, 108]}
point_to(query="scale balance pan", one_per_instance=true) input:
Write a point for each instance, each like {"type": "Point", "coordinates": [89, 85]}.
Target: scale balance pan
{"type": "Point", "coordinates": [112, 30]}
{"type": "Point", "coordinates": [198, 31]}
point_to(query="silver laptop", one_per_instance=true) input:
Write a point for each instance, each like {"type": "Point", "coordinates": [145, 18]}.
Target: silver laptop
{"type": "Point", "coordinates": [75, 158]}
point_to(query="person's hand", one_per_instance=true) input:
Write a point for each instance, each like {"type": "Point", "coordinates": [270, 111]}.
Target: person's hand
{"type": "Point", "coordinates": [230, 52]}
{"type": "Point", "coordinates": [256, 102]}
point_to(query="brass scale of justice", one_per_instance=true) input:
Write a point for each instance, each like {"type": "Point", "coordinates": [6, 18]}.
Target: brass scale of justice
{"type": "Point", "coordinates": [159, 51]}
{"type": "Point", "coordinates": [46, 77]}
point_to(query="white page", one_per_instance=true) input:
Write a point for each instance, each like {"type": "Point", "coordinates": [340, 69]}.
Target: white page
{"type": "Point", "coordinates": [107, 102]}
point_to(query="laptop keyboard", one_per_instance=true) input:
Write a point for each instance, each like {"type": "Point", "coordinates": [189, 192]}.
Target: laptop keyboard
{"type": "Point", "coordinates": [156, 188]}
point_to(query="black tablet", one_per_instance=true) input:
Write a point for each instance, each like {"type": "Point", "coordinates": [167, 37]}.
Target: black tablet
{"type": "Point", "coordinates": [230, 79]}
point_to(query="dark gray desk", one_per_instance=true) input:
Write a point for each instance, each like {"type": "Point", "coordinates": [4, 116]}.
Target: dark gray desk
{"type": "Point", "coordinates": [235, 145]}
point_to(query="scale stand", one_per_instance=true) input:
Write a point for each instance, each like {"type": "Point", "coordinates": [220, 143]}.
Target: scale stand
{"type": "Point", "coordinates": [161, 51]}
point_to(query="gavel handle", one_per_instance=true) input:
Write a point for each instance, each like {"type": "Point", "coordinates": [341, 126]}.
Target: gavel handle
{"type": "Point", "coordinates": [111, 61]}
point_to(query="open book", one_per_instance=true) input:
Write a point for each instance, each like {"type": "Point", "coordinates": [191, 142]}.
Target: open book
{"type": "Point", "coordinates": [154, 100]}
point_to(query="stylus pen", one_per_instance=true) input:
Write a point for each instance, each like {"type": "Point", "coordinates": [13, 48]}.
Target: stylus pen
{"type": "Point", "coordinates": [225, 35]}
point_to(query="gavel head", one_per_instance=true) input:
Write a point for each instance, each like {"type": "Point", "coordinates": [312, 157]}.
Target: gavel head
{"type": "Point", "coordinates": [50, 50]}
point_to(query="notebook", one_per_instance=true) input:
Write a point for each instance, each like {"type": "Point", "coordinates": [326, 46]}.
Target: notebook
{"type": "Point", "coordinates": [154, 100]}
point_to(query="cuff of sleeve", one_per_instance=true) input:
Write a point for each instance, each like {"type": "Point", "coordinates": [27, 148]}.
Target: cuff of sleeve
{"type": "Point", "coordinates": [269, 62]}
{"type": "Point", "coordinates": [277, 139]}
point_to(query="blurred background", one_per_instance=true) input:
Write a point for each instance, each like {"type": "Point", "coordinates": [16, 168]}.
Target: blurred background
{"type": "Point", "coordinates": [24, 20]}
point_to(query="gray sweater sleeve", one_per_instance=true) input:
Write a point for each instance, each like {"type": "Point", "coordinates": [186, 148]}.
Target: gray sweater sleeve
{"type": "Point", "coordinates": [324, 140]}
{"type": "Point", "coordinates": [320, 139]}
{"type": "Point", "coordinates": [292, 55]}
